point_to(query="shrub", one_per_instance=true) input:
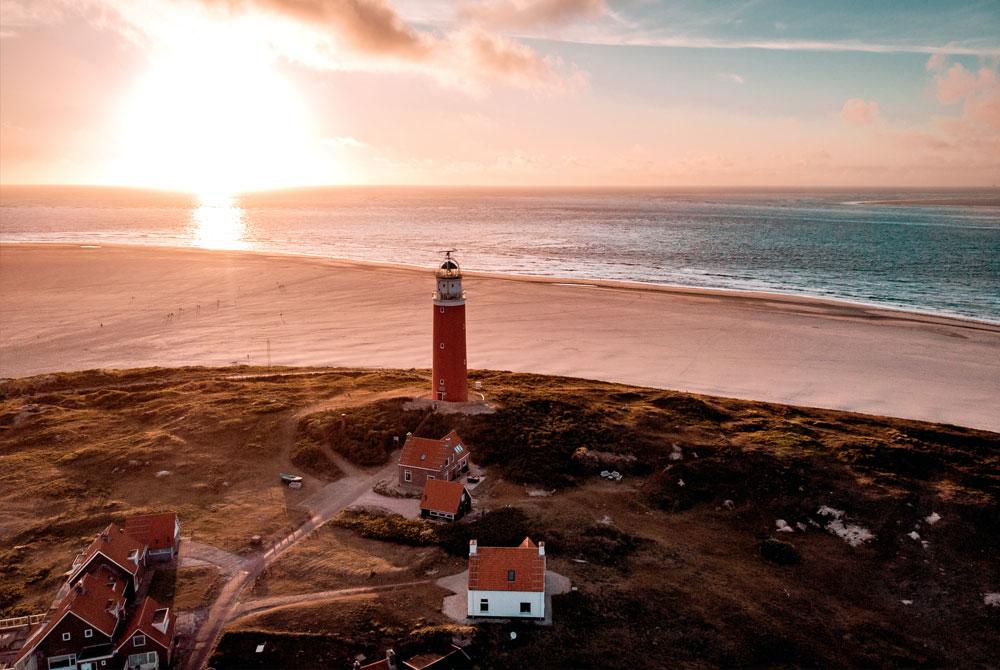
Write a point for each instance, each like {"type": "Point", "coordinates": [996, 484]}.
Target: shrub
{"type": "Point", "coordinates": [505, 527]}
{"type": "Point", "coordinates": [310, 457]}
{"type": "Point", "coordinates": [365, 434]}
{"type": "Point", "coordinates": [387, 527]}
{"type": "Point", "coordinates": [776, 551]}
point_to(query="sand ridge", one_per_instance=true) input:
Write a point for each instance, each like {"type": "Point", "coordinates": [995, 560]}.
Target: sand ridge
{"type": "Point", "coordinates": [67, 307]}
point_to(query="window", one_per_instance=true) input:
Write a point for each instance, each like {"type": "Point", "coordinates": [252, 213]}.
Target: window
{"type": "Point", "coordinates": [525, 608]}
{"type": "Point", "coordinates": [139, 641]}
{"type": "Point", "coordinates": [431, 477]}
{"type": "Point", "coordinates": [66, 637]}
{"type": "Point", "coordinates": [441, 309]}
{"type": "Point", "coordinates": [484, 605]}
{"type": "Point", "coordinates": [62, 662]}
{"type": "Point", "coordinates": [511, 575]}
{"type": "Point", "coordinates": [89, 632]}
{"type": "Point", "coordinates": [407, 476]}
{"type": "Point", "coordinates": [140, 660]}
{"type": "Point", "coordinates": [441, 346]}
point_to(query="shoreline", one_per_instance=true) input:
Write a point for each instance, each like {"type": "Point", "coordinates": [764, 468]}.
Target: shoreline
{"type": "Point", "coordinates": [74, 307]}
{"type": "Point", "coordinates": [792, 298]}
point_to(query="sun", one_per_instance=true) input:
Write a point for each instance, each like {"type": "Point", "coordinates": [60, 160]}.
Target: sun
{"type": "Point", "coordinates": [215, 116]}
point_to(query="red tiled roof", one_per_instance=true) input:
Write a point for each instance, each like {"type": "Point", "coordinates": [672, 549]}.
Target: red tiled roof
{"type": "Point", "coordinates": [90, 598]}
{"type": "Point", "coordinates": [117, 545]}
{"type": "Point", "coordinates": [156, 530]}
{"type": "Point", "coordinates": [489, 568]}
{"type": "Point", "coordinates": [142, 622]}
{"type": "Point", "coordinates": [377, 665]}
{"type": "Point", "coordinates": [423, 452]}
{"type": "Point", "coordinates": [442, 496]}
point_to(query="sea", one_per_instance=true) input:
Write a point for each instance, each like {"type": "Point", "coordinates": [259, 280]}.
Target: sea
{"type": "Point", "coordinates": [932, 251]}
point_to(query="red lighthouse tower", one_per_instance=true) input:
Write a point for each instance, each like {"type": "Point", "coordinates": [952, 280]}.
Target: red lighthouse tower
{"type": "Point", "coordinates": [449, 381]}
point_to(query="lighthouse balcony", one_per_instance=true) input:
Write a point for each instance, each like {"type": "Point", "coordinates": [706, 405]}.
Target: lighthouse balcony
{"type": "Point", "coordinates": [445, 298]}
{"type": "Point", "coordinates": [449, 273]}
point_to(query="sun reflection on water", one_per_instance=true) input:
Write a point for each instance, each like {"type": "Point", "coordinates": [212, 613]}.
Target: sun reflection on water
{"type": "Point", "coordinates": [218, 223]}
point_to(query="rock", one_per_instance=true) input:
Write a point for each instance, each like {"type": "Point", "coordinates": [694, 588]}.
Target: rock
{"type": "Point", "coordinates": [783, 526]}
{"type": "Point", "coordinates": [728, 504]}
{"type": "Point", "coordinates": [781, 553]}
{"type": "Point", "coordinates": [164, 473]}
{"type": "Point", "coordinates": [933, 518]}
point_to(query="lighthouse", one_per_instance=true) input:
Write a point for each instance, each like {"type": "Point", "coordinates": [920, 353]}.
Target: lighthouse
{"type": "Point", "coordinates": [449, 381]}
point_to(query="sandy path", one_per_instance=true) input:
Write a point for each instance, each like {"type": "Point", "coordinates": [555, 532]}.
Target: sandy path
{"type": "Point", "coordinates": [261, 605]}
{"type": "Point", "coordinates": [67, 308]}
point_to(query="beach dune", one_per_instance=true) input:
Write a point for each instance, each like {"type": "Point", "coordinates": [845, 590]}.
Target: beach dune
{"type": "Point", "coordinates": [71, 308]}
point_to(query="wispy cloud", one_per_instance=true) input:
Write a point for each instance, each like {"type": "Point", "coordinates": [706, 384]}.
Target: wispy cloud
{"type": "Point", "coordinates": [731, 77]}
{"type": "Point", "coordinates": [682, 42]}
{"type": "Point", "coordinates": [522, 14]}
{"type": "Point", "coordinates": [859, 112]}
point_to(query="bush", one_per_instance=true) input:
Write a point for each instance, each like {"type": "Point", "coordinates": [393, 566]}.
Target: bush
{"type": "Point", "coordinates": [776, 551]}
{"type": "Point", "coordinates": [532, 440]}
{"type": "Point", "coordinates": [310, 457]}
{"type": "Point", "coordinates": [505, 527]}
{"type": "Point", "coordinates": [365, 435]}
{"type": "Point", "coordinates": [387, 527]}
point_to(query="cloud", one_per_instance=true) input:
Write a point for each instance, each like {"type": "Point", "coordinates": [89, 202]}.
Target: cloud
{"type": "Point", "coordinates": [360, 35]}
{"type": "Point", "coordinates": [859, 112]}
{"type": "Point", "coordinates": [527, 14]}
{"type": "Point", "coordinates": [731, 77]}
{"type": "Point", "coordinates": [847, 46]}
{"type": "Point", "coordinates": [369, 26]}
{"type": "Point", "coordinates": [936, 62]}
{"type": "Point", "coordinates": [979, 93]}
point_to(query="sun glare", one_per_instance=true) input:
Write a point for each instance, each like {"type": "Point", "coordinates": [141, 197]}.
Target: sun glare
{"type": "Point", "coordinates": [215, 116]}
{"type": "Point", "coordinates": [217, 223]}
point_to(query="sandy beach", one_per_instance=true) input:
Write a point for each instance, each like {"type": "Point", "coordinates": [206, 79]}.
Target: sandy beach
{"type": "Point", "coordinates": [73, 308]}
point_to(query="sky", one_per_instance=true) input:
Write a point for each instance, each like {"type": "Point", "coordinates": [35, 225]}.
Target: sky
{"type": "Point", "coordinates": [221, 96]}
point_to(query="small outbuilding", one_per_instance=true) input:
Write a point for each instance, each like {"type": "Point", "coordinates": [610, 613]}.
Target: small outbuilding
{"type": "Point", "coordinates": [507, 582]}
{"type": "Point", "coordinates": [445, 500]}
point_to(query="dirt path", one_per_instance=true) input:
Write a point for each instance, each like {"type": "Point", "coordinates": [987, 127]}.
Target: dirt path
{"type": "Point", "coordinates": [193, 552]}
{"type": "Point", "coordinates": [277, 602]}
{"type": "Point", "coordinates": [322, 506]}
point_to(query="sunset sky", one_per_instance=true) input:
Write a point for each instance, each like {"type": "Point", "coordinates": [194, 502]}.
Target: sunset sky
{"type": "Point", "coordinates": [230, 95]}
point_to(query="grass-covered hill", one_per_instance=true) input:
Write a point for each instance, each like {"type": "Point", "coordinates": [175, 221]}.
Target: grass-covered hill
{"type": "Point", "coordinates": [681, 563]}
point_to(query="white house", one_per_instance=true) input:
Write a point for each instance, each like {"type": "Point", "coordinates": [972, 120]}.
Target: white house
{"type": "Point", "coordinates": [507, 581]}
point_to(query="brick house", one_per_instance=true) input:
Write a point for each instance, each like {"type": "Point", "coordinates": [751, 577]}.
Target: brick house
{"type": "Point", "coordinates": [117, 551]}
{"type": "Point", "coordinates": [161, 533]}
{"type": "Point", "coordinates": [147, 640]}
{"type": "Point", "coordinates": [92, 625]}
{"type": "Point", "coordinates": [442, 499]}
{"type": "Point", "coordinates": [423, 458]}
{"type": "Point", "coordinates": [80, 631]}
{"type": "Point", "coordinates": [507, 582]}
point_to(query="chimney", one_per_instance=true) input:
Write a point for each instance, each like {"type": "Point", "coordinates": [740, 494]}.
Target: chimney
{"type": "Point", "coordinates": [390, 659]}
{"type": "Point", "coordinates": [357, 664]}
{"type": "Point", "coordinates": [541, 548]}
{"type": "Point", "coordinates": [80, 588]}
{"type": "Point", "coordinates": [472, 547]}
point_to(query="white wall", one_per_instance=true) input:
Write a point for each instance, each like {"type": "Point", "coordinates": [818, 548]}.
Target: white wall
{"type": "Point", "coordinates": [507, 603]}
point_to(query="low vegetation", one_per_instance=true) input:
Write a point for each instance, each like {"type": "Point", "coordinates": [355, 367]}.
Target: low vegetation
{"type": "Point", "coordinates": [683, 562]}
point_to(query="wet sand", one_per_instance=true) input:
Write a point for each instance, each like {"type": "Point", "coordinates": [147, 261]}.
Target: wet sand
{"type": "Point", "coordinates": [74, 308]}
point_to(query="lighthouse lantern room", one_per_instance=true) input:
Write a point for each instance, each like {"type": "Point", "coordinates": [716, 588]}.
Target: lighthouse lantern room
{"type": "Point", "coordinates": [449, 381]}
